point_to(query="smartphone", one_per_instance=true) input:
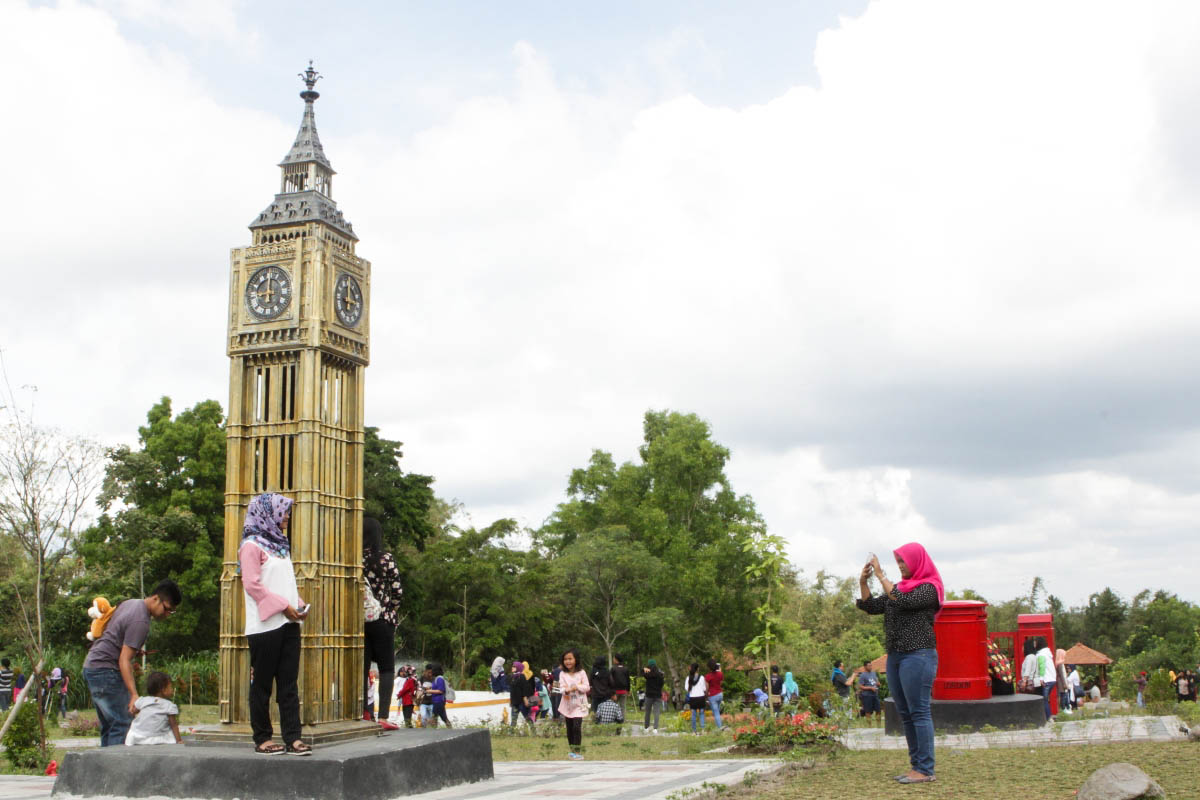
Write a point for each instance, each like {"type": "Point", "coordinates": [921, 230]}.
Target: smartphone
{"type": "Point", "coordinates": [304, 608]}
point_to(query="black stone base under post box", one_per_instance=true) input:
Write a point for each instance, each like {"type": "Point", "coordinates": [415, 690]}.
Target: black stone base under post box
{"type": "Point", "coordinates": [1014, 711]}
{"type": "Point", "coordinates": [401, 763]}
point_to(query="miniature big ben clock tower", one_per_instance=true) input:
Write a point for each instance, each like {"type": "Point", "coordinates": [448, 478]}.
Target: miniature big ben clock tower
{"type": "Point", "coordinates": [299, 316]}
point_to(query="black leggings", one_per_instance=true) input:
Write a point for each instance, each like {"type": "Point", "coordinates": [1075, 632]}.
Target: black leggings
{"type": "Point", "coordinates": [275, 659]}
{"type": "Point", "coordinates": [379, 645]}
{"type": "Point", "coordinates": [574, 731]}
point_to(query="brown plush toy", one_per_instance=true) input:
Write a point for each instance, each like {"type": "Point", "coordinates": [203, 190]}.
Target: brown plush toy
{"type": "Point", "coordinates": [99, 611]}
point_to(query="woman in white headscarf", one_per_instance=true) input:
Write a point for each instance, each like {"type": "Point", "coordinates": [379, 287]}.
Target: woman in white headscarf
{"type": "Point", "coordinates": [499, 684]}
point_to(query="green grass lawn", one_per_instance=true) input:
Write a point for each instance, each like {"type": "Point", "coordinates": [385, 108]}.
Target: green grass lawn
{"type": "Point", "coordinates": [1048, 773]}
{"type": "Point", "coordinates": [609, 748]}
{"type": "Point", "coordinates": [188, 716]}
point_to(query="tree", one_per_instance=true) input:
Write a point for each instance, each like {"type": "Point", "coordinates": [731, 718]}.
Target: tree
{"type": "Point", "coordinates": [467, 585]}
{"type": "Point", "coordinates": [170, 523]}
{"type": "Point", "coordinates": [1167, 626]}
{"type": "Point", "coordinates": [768, 569]}
{"type": "Point", "coordinates": [47, 479]}
{"type": "Point", "coordinates": [678, 504]}
{"type": "Point", "coordinates": [402, 502]}
{"type": "Point", "coordinates": [604, 577]}
{"type": "Point", "coordinates": [1105, 622]}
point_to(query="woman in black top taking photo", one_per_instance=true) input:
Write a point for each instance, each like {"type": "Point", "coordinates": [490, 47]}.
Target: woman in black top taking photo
{"type": "Point", "coordinates": [909, 608]}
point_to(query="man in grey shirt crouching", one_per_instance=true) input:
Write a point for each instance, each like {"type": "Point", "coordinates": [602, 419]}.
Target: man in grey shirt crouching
{"type": "Point", "coordinates": [108, 668]}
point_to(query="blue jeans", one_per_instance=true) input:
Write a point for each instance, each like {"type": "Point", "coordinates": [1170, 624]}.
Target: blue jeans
{"type": "Point", "coordinates": [714, 703]}
{"type": "Point", "coordinates": [910, 680]}
{"type": "Point", "coordinates": [1048, 689]}
{"type": "Point", "coordinates": [697, 712]}
{"type": "Point", "coordinates": [112, 704]}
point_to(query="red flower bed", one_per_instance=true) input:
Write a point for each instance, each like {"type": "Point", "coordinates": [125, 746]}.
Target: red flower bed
{"type": "Point", "coordinates": [781, 733]}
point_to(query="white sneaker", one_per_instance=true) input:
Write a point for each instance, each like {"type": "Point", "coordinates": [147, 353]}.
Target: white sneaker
{"type": "Point", "coordinates": [575, 756]}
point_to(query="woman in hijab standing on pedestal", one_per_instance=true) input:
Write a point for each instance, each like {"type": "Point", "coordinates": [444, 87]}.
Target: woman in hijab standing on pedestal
{"type": "Point", "coordinates": [274, 612]}
{"type": "Point", "coordinates": [909, 608]}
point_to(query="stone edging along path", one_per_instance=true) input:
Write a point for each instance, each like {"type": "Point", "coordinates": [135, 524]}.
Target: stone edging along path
{"type": "Point", "coordinates": [1092, 731]}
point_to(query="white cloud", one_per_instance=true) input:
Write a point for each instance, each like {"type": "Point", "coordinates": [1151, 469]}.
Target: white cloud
{"type": "Point", "coordinates": [962, 267]}
{"type": "Point", "coordinates": [196, 18]}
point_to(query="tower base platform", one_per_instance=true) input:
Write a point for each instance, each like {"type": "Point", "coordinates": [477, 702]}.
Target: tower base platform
{"type": "Point", "coordinates": [400, 763]}
{"type": "Point", "coordinates": [1014, 711]}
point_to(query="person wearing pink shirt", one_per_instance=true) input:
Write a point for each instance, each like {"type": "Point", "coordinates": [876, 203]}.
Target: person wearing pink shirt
{"type": "Point", "coordinates": [274, 612]}
{"type": "Point", "coordinates": [573, 707]}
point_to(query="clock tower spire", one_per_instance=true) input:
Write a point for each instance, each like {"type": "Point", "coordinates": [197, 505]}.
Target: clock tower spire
{"type": "Point", "coordinates": [306, 180]}
{"type": "Point", "coordinates": [299, 344]}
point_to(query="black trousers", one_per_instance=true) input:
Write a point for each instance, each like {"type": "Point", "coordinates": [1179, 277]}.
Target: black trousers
{"type": "Point", "coordinates": [407, 715]}
{"type": "Point", "coordinates": [379, 645]}
{"type": "Point", "coordinates": [574, 731]}
{"type": "Point", "coordinates": [275, 659]}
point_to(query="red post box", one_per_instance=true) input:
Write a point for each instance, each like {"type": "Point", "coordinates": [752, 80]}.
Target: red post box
{"type": "Point", "coordinates": [1030, 626]}
{"type": "Point", "coordinates": [962, 673]}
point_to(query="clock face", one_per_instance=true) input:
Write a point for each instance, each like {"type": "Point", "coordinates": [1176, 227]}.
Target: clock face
{"type": "Point", "coordinates": [268, 292]}
{"type": "Point", "coordinates": [348, 300]}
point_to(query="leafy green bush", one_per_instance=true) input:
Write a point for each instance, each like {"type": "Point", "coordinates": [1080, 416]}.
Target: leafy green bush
{"type": "Point", "coordinates": [735, 687]}
{"type": "Point", "coordinates": [23, 742]}
{"type": "Point", "coordinates": [1160, 688]}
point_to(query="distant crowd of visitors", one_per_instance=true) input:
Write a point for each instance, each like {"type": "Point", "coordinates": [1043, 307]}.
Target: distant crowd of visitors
{"type": "Point", "coordinates": [1183, 683]}
{"type": "Point", "coordinates": [605, 691]}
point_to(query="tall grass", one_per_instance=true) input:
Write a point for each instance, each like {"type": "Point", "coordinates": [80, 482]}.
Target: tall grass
{"type": "Point", "coordinates": [195, 676]}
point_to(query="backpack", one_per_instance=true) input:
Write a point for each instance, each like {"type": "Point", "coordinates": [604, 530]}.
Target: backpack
{"type": "Point", "coordinates": [371, 606]}
{"type": "Point", "coordinates": [449, 691]}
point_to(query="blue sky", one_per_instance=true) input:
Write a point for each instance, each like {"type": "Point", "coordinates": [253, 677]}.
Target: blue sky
{"type": "Point", "coordinates": [927, 267]}
{"type": "Point", "coordinates": [398, 65]}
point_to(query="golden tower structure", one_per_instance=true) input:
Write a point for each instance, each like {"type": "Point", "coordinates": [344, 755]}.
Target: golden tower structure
{"type": "Point", "coordinates": [299, 303]}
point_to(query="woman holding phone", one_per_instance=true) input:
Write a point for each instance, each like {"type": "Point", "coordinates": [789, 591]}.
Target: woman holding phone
{"type": "Point", "coordinates": [274, 612]}
{"type": "Point", "coordinates": [908, 609]}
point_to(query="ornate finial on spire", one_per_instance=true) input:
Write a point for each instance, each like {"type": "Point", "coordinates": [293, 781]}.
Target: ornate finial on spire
{"type": "Point", "coordinates": [310, 77]}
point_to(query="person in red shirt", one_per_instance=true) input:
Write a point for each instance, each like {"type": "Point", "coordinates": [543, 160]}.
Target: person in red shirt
{"type": "Point", "coordinates": [715, 696]}
{"type": "Point", "coordinates": [408, 689]}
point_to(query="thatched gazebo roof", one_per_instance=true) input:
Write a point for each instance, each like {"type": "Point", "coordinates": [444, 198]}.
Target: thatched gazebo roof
{"type": "Point", "coordinates": [1082, 654]}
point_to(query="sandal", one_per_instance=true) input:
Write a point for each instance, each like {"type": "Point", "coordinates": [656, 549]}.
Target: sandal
{"type": "Point", "coordinates": [299, 749]}
{"type": "Point", "coordinates": [922, 779]}
{"type": "Point", "coordinates": [269, 749]}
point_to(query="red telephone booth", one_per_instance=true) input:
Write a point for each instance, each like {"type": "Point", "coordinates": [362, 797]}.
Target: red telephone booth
{"type": "Point", "coordinates": [962, 673]}
{"type": "Point", "coordinates": [1030, 626]}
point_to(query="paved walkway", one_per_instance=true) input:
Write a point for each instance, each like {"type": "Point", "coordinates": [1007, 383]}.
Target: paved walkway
{"type": "Point", "coordinates": [578, 780]}
{"type": "Point", "coordinates": [1092, 731]}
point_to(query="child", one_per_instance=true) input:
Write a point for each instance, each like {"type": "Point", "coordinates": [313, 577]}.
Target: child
{"type": "Point", "coordinates": [372, 694]}
{"type": "Point", "coordinates": [438, 689]}
{"type": "Point", "coordinates": [574, 704]}
{"type": "Point", "coordinates": [157, 718]}
{"type": "Point", "coordinates": [427, 697]}
{"type": "Point", "coordinates": [408, 688]}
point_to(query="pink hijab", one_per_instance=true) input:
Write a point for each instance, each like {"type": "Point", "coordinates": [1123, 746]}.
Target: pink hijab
{"type": "Point", "coordinates": [921, 568]}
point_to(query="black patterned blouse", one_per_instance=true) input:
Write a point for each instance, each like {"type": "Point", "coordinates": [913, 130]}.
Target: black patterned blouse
{"type": "Point", "coordinates": [907, 617]}
{"type": "Point", "coordinates": [385, 585]}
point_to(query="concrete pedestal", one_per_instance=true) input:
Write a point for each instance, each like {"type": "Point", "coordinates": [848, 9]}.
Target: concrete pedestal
{"type": "Point", "coordinates": [401, 763]}
{"type": "Point", "coordinates": [1016, 711]}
